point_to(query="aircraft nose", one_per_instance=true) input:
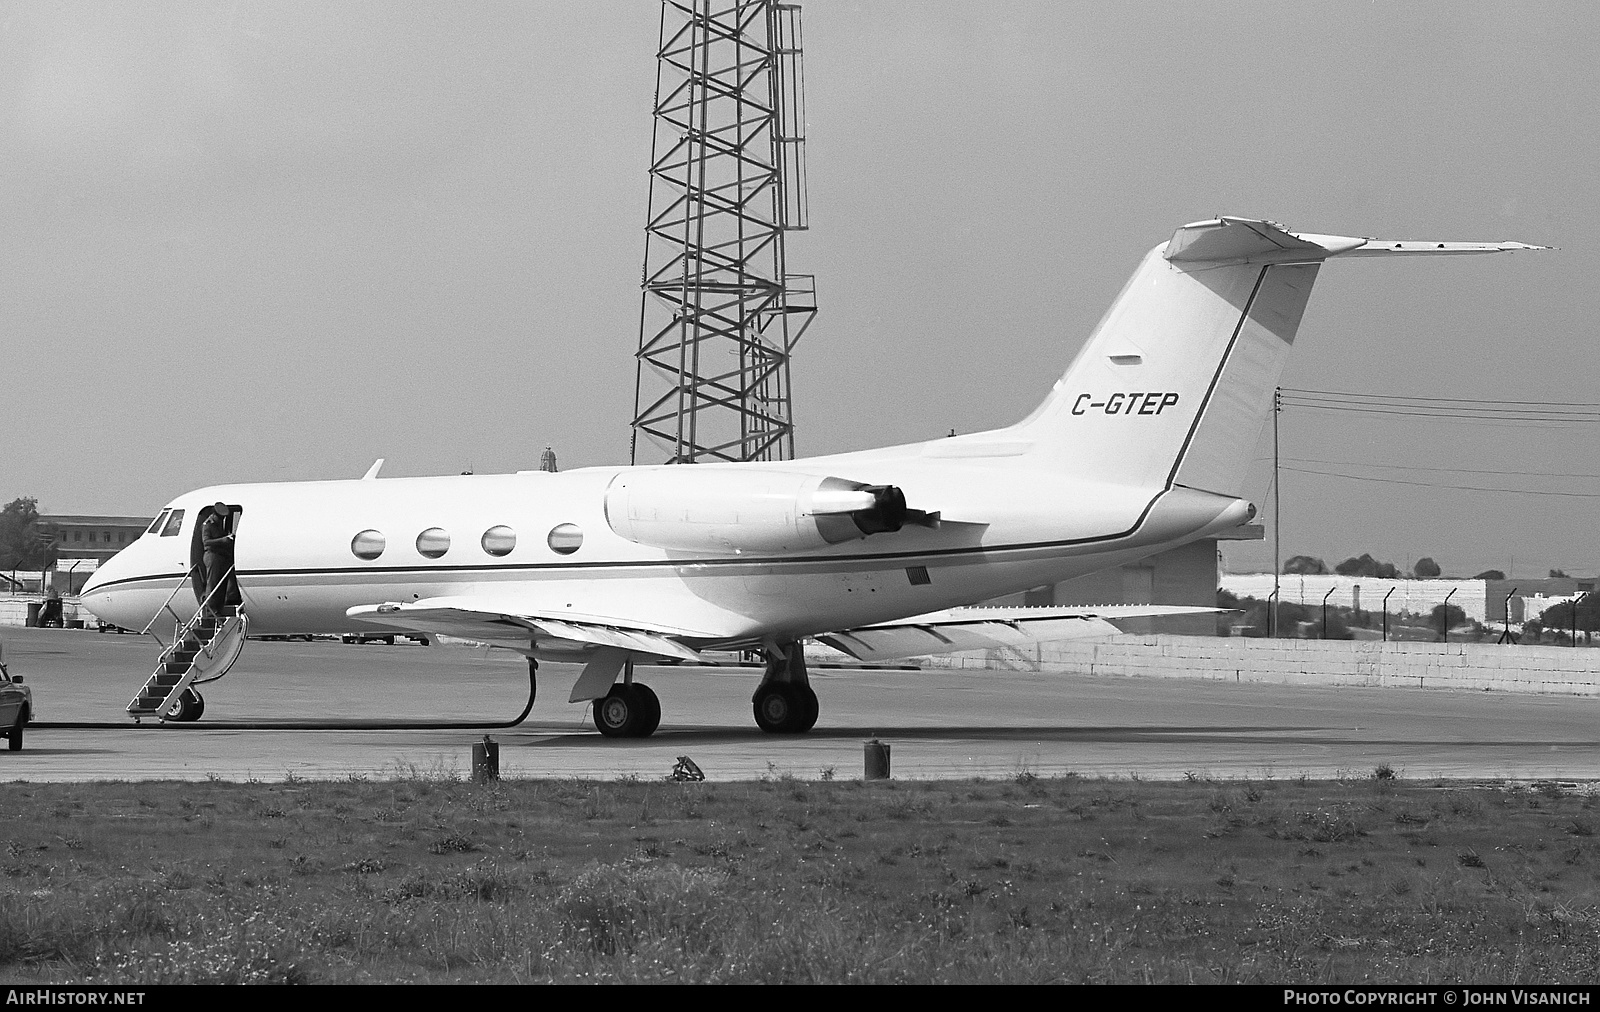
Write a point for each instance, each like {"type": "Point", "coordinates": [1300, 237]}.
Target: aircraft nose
{"type": "Point", "coordinates": [103, 598]}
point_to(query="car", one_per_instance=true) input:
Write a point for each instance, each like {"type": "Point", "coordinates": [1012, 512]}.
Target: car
{"type": "Point", "coordinates": [388, 638]}
{"type": "Point", "coordinates": [16, 707]}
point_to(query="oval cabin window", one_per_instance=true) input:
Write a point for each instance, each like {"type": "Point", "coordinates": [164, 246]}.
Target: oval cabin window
{"type": "Point", "coordinates": [433, 542]}
{"type": "Point", "coordinates": [566, 539]}
{"type": "Point", "coordinates": [499, 541]}
{"type": "Point", "coordinates": [368, 545]}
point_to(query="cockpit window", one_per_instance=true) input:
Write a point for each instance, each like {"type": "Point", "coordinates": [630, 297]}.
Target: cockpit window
{"type": "Point", "coordinates": [155, 525]}
{"type": "Point", "coordinates": [174, 524]}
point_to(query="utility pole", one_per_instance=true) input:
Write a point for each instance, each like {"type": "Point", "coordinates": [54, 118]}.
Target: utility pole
{"type": "Point", "coordinates": [1277, 516]}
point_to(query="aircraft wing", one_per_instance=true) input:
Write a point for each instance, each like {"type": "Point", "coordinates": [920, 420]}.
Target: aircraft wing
{"type": "Point", "coordinates": [504, 624]}
{"type": "Point", "coordinates": [985, 628]}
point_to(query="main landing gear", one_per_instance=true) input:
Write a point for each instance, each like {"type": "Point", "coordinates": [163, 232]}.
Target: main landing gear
{"type": "Point", "coordinates": [784, 702]}
{"type": "Point", "coordinates": [629, 710]}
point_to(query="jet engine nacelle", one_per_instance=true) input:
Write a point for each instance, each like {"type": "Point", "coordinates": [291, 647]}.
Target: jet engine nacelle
{"type": "Point", "coordinates": [690, 508]}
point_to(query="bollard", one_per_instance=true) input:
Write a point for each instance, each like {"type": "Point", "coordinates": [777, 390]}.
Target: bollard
{"type": "Point", "coordinates": [877, 757]}
{"type": "Point", "coordinates": [485, 761]}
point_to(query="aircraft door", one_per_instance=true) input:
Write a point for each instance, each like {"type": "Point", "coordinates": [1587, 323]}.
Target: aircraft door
{"type": "Point", "coordinates": [201, 562]}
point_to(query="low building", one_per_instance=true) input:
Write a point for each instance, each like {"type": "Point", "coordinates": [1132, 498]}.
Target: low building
{"type": "Point", "coordinates": [85, 536]}
{"type": "Point", "coordinates": [1527, 599]}
{"type": "Point", "coordinates": [83, 543]}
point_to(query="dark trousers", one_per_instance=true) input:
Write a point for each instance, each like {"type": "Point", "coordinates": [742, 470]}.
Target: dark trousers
{"type": "Point", "coordinates": [216, 568]}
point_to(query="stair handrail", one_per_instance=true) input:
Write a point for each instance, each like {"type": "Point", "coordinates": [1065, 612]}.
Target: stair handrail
{"type": "Point", "coordinates": [184, 626]}
{"type": "Point", "coordinates": [166, 606]}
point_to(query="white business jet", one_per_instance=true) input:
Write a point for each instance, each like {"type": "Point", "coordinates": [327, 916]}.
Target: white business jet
{"type": "Point", "coordinates": [1140, 447]}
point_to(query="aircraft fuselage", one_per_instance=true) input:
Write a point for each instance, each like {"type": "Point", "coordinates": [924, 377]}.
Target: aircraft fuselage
{"type": "Point", "coordinates": [1001, 530]}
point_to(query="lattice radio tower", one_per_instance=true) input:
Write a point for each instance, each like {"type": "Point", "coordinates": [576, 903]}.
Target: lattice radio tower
{"type": "Point", "coordinates": [720, 315]}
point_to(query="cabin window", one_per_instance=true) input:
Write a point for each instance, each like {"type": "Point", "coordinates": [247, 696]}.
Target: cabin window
{"type": "Point", "coordinates": [155, 525]}
{"type": "Point", "coordinates": [174, 524]}
{"type": "Point", "coordinates": [368, 545]}
{"type": "Point", "coordinates": [499, 540]}
{"type": "Point", "coordinates": [433, 542]}
{"type": "Point", "coordinates": [566, 539]}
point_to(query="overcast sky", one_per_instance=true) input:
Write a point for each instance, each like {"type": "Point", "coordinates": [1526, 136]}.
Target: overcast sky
{"type": "Point", "coordinates": [271, 241]}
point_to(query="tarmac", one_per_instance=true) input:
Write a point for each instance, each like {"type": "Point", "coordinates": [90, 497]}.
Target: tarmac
{"type": "Point", "coordinates": [939, 724]}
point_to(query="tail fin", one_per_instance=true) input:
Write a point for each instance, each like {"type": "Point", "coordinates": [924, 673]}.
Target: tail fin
{"type": "Point", "coordinates": [1174, 385]}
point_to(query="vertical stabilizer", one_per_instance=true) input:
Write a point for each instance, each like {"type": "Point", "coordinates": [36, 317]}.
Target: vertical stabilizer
{"type": "Point", "coordinates": [1176, 382]}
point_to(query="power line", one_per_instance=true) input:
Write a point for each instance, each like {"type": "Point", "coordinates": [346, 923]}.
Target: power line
{"type": "Point", "coordinates": [1410, 467]}
{"type": "Point", "coordinates": [1490, 415]}
{"type": "Point", "coordinates": [1595, 405]}
{"type": "Point", "coordinates": [1460, 488]}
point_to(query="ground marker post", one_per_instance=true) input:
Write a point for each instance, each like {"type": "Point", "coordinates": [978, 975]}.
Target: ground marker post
{"type": "Point", "coordinates": [485, 760]}
{"type": "Point", "coordinates": [877, 760]}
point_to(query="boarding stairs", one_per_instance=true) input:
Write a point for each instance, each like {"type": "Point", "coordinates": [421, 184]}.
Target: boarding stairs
{"type": "Point", "coordinates": [202, 649]}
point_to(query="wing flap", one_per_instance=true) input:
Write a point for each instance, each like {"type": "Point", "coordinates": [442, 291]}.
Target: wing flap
{"type": "Point", "coordinates": [989, 628]}
{"type": "Point", "coordinates": [883, 644]}
{"type": "Point", "coordinates": [521, 630]}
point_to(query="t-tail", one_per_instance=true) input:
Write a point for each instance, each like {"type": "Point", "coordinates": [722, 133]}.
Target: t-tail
{"type": "Point", "coordinates": [1175, 384]}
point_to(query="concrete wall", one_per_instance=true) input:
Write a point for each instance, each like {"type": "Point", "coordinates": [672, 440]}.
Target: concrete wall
{"type": "Point", "coordinates": [1562, 670]}
{"type": "Point", "coordinates": [14, 610]}
{"type": "Point", "coordinates": [1416, 596]}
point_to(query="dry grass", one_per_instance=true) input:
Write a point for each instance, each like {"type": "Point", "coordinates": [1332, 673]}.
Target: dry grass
{"type": "Point", "coordinates": [1025, 880]}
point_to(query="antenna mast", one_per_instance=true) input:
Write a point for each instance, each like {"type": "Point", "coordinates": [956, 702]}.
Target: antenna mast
{"type": "Point", "coordinates": [720, 314]}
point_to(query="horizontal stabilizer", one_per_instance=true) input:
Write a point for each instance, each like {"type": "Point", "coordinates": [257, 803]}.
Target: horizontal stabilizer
{"type": "Point", "coordinates": [1228, 240]}
{"type": "Point", "coordinates": [987, 628]}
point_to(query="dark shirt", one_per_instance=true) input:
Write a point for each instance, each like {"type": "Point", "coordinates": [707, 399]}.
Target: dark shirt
{"type": "Point", "coordinates": [214, 535]}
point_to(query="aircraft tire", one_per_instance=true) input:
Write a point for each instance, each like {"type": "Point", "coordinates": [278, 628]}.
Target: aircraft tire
{"type": "Point", "coordinates": [812, 711]}
{"type": "Point", "coordinates": [649, 710]}
{"type": "Point", "coordinates": [618, 714]}
{"type": "Point", "coordinates": [783, 709]}
{"type": "Point", "coordinates": [16, 737]}
{"type": "Point", "coordinates": [188, 708]}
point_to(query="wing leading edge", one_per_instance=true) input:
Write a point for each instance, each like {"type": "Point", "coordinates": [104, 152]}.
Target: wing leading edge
{"type": "Point", "coordinates": [933, 633]}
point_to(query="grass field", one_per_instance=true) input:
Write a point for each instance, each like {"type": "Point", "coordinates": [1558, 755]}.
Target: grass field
{"type": "Point", "coordinates": [1024, 880]}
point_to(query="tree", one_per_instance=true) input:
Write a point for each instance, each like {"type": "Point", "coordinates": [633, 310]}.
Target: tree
{"type": "Point", "coordinates": [23, 545]}
{"type": "Point", "coordinates": [1426, 569]}
{"type": "Point", "coordinates": [1560, 616]}
{"type": "Point", "coordinates": [1490, 574]}
{"type": "Point", "coordinates": [1306, 565]}
{"type": "Point", "coordinates": [1366, 565]}
{"type": "Point", "coordinates": [1557, 574]}
{"type": "Point", "coordinates": [1446, 617]}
